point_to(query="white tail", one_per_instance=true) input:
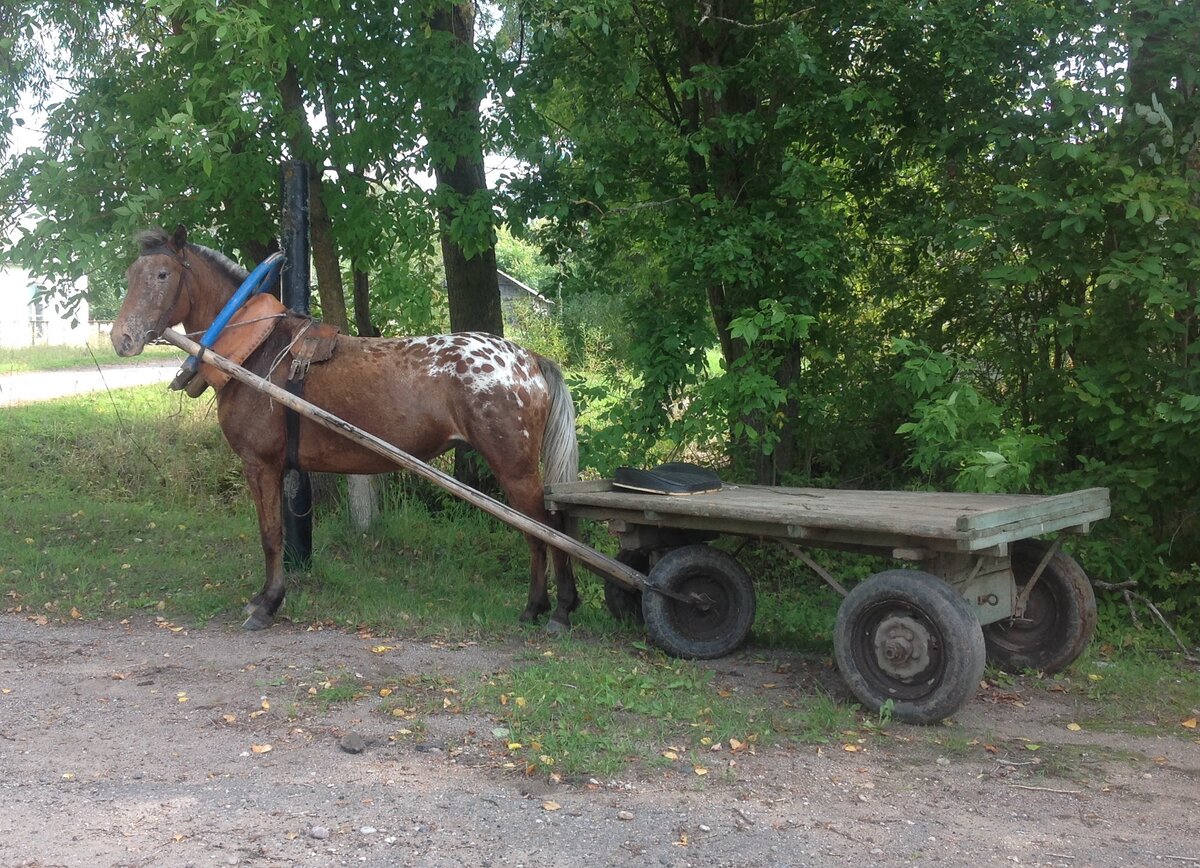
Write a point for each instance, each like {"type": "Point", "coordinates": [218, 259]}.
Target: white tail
{"type": "Point", "coordinates": [560, 448]}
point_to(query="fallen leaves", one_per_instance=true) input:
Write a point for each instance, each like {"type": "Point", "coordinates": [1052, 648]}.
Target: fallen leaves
{"type": "Point", "coordinates": [260, 748]}
{"type": "Point", "coordinates": [1190, 723]}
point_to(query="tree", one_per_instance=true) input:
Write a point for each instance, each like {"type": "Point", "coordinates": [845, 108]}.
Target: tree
{"type": "Point", "coordinates": [736, 147]}
{"type": "Point", "coordinates": [452, 123]}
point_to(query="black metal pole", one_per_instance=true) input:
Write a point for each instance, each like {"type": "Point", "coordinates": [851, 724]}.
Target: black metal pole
{"type": "Point", "coordinates": [297, 489]}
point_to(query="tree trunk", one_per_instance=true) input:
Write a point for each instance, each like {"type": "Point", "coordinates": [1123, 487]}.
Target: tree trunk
{"type": "Point", "coordinates": [362, 306]}
{"type": "Point", "coordinates": [723, 42]}
{"type": "Point", "coordinates": [471, 284]}
{"type": "Point", "coordinates": [324, 246]}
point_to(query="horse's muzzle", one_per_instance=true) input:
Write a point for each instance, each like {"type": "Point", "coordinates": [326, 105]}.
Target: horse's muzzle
{"type": "Point", "coordinates": [127, 345]}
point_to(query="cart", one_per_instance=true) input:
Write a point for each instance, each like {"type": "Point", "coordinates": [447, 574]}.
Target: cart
{"type": "Point", "coordinates": [916, 640]}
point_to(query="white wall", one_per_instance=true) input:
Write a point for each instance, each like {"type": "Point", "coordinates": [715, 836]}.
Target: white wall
{"type": "Point", "coordinates": [20, 322]}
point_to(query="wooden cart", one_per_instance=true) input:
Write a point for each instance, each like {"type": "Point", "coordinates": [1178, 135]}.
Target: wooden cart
{"type": "Point", "coordinates": [915, 639]}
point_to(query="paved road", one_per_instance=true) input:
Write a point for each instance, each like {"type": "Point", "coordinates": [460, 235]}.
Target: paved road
{"type": "Point", "coordinates": [26, 388]}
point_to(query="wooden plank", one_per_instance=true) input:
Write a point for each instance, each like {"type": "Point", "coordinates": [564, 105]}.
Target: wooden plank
{"type": "Point", "coordinates": [1086, 501]}
{"type": "Point", "coordinates": [721, 510]}
{"type": "Point", "coordinates": [593, 559]}
{"type": "Point", "coordinates": [1032, 528]}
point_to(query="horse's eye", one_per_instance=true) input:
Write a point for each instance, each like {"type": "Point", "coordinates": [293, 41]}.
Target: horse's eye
{"type": "Point", "coordinates": [162, 275]}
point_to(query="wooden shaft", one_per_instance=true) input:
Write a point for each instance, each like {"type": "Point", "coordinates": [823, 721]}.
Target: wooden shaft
{"type": "Point", "coordinates": [594, 560]}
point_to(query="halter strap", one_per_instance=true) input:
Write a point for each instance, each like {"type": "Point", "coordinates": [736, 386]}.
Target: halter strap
{"type": "Point", "coordinates": [164, 250]}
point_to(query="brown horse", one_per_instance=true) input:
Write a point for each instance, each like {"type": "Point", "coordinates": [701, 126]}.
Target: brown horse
{"type": "Point", "coordinates": [422, 394]}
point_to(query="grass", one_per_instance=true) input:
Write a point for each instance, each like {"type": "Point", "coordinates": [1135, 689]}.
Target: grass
{"type": "Point", "coordinates": [130, 503]}
{"type": "Point", "coordinates": [61, 358]}
{"type": "Point", "coordinates": [587, 708]}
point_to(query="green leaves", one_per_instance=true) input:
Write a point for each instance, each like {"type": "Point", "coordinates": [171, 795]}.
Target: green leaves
{"type": "Point", "coordinates": [773, 321]}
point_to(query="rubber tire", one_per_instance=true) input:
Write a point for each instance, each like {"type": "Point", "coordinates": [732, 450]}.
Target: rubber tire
{"type": "Point", "coordinates": [683, 630]}
{"type": "Point", "coordinates": [624, 604]}
{"type": "Point", "coordinates": [953, 639]}
{"type": "Point", "coordinates": [1060, 614]}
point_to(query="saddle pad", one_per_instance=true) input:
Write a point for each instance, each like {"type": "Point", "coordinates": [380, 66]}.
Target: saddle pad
{"type": "Point", "coordinates": [244, 334]}
{"type": "Point", "coordinates": [675, 477]}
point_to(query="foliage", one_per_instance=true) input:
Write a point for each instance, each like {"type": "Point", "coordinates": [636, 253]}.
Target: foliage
{"type": "Point", "coordinates": [182, 111]}
{"type": "Point", "coordinates": [1005, 192]}
{"type": "Point", "coordinates": [539, 330]}
{"type": "Point", "coordinates": [960, 436]}
{"type": "Point", "coordinates": [520, 258]}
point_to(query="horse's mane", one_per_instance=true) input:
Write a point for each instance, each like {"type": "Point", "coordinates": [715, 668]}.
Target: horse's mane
{"type": "Point", "coordinates": [152, 238]}
{"type": "Point", "coordinates": [221, 262]}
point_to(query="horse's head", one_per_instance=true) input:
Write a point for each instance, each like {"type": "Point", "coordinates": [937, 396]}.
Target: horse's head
{"type": "Point", "coordinates": [156, 298]}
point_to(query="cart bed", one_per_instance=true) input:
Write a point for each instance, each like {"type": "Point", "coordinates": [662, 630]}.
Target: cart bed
{"type": "Point", "coordinates": [913, 520]}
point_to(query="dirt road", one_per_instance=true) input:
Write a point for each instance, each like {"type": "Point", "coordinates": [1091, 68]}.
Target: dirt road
{"type": "Point", "coordinates": [145, 744]}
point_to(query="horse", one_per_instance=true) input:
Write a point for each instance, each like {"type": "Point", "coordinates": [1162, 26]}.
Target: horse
{"type": "Point", "coordinates": [424, 395]}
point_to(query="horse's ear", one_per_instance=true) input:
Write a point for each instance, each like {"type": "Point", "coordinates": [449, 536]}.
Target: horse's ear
{"type": "Point", "coordinates": [179, 239]}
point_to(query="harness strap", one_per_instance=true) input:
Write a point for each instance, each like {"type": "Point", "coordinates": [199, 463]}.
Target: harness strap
{"type": "Point", "coordinates": [291, 427]}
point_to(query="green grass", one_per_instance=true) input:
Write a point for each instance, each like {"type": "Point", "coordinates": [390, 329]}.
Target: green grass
{"type": "Point", "coordinates": [132, 503]}
{"type": "Point", "coordinates": [588, 708]}
{"type": "Point", "coordinates": [58, 358]}
{"type": "Point", "coordinates": [1135, 691]}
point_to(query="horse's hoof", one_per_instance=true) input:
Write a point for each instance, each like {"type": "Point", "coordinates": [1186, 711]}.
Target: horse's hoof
{"type": "Point", "coordinates": [257, 621]}
{"type": "Point", "coordinates": [556, 628]}
{"type": "Point", "coordinates": [529, 617]}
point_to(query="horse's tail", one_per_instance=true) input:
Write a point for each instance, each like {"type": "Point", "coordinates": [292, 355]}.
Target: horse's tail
{"type": "Point", "coordinates": [560, 448]}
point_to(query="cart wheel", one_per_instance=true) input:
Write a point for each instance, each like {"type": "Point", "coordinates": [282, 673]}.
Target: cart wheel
{"type": "Point", "coordinates": [1059, 619]}
{"type": "Point", "coordinates": [720, 619]}
{"type": "Point", "coordinates": [623, 603]}
{"type": "Point", "coordinates": [908, 637]}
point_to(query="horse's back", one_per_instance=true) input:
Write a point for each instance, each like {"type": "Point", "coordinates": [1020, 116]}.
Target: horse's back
{"type": "Point", "coordinates": [426, 393]}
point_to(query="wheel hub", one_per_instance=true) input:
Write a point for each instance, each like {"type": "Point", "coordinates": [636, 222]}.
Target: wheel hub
{"type": "Point", "coordinates": [902, 646]}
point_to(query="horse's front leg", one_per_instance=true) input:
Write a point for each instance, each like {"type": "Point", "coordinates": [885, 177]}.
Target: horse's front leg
{"type": "Point", "coordinates": [266, 483]}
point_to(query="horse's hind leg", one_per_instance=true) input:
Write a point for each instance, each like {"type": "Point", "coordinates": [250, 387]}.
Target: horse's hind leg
{"type": "Point", "coordinates": [265, 484]}
{"type": "Point", "coordinates": [564, 573]}
{"type": "Point", "coordinates": [539, 600]}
